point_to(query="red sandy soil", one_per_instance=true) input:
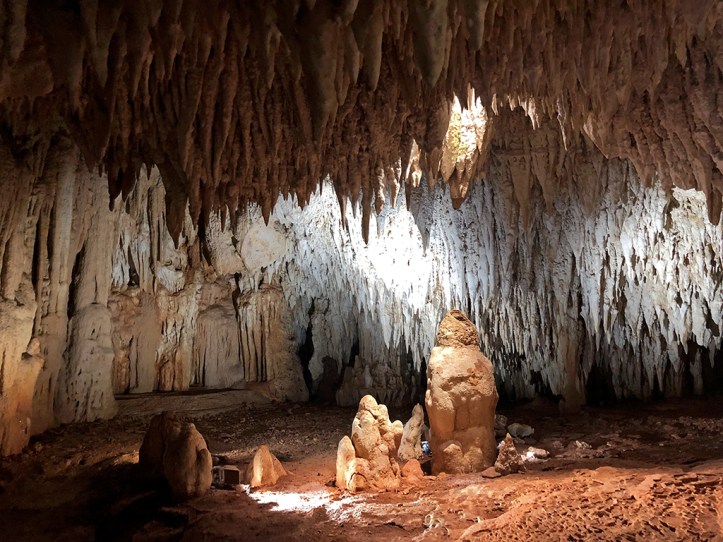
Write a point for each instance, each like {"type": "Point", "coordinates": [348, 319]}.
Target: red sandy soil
{"type": "Point", "coordinates": [651, 472]}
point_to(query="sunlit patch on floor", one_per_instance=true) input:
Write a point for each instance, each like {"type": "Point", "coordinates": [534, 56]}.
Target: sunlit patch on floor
{"type": "Point", "coordinates": [291, 501]}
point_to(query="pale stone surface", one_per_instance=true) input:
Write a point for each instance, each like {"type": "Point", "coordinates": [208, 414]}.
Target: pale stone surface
{"type": "Point", "coordinates": [264, 469]}
{"type": "Point", "coordinates": [175, 450]}
{"type": "Point", "coordinates": [262, 246]}
{"type": "Point", "coordinates": [217, 346]}
{"type": "Point", "coordinates": [86, 381]}
{"type": "Point", "coordinates": [461, 399]}
{"type": "Point", "coordinates": [411, 445]}
{"type": "Point", "coordinates": [347, 475]}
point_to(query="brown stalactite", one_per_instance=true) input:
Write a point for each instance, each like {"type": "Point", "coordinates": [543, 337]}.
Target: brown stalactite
{"type": "Point", "coordinates": [246, 100]}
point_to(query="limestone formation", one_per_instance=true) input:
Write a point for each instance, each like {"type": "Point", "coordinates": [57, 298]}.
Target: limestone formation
{"type": "Point", "coordinates": [411, 445]}
{"type": "Point", "coordinates": [508, 459]}
{"type": "Point", "coordinates": [264, 469]}
{"type": "Point", "coordinates": [350, 474]}
{"type": "Point", "coordinates": [368, 459]}
{"type": "Point", "coordinates": [174, 450]}
{"type": "Point", "coordinates": [461, 399]}
{"type": "Point", "coordinates": [412, 470]}
{"type": "Point", "coordinates": [157, 156]}
{"type": "Point", "coordinates": [232, 98]}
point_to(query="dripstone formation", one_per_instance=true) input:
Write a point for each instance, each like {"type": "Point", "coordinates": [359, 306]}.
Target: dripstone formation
{"type": "Point", "coordinates": [163, 226]}
{"type": "Point", "coordinates": [461, 399]}
{"type": "Point", "coordinates": [174, 450]}
{"type": "Point", "coordinates": [368, 459]}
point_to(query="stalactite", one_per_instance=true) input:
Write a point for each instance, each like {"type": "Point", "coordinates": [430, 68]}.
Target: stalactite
{"type": "Point", "coordinates": [231, 104]}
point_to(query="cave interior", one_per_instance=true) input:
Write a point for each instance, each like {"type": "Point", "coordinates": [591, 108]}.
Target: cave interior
{"type": "Point", "coordinates": [257, 214]}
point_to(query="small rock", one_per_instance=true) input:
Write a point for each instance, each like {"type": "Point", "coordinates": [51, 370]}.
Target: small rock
{"type": "Point", "coordinates": [490, 472]}
{"type": "Point", "coordinates": [520, 430]}
{"type": "Point", "coordinates": [508, 460]}
{"type": "Point", "coordinates": [264, 470]}
{"type": "Point", "coordinates": [538, 453]}
{"type": "Point", "coordinates": [580, 445]}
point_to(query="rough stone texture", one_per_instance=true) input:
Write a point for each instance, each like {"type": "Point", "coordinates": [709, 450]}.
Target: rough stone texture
{"type": "Point", "coordinates": [412, 470]}
{"type": "Point", "coordinates": [264, 469]}
{"type": "Point", "coordinates": [411, 445]}
{"type": "Point", "coordinates": [461, 399]}
{"type": "Point", "coordinates": [456, 330]}
{"type": "Point", "coordinates": [374, 443]}
{"type": "Point", "coordinates": [267, 98]}
{"type": "Point", "coordinates": [349, 474]}
{"type": "Point", "coordinates": [175, 450]}
{"type": "Point", "coordinates": [508, 459]}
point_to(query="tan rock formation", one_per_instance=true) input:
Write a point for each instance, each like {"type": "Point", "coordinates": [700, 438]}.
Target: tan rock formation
{"type": "Point", "coordinates": [461, 399]}
{"type": "Point", "coordinates": [411, 445]}
{"type": "Point", "coordinates": [508, 459]}
{"type": "Point", "coordinates": [264, 469]}
{"type": "Point", "coordinates": [375, 441]}
{"type": "Point", "coordinates": [412, 470]}
{"type": "Point", "coordinates": [176, 451]}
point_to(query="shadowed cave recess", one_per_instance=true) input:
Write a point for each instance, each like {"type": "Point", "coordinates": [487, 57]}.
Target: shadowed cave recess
{"type": "Point", "coordinates": [286, 198]}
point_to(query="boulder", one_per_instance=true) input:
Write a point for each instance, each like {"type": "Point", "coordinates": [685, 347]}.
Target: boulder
{"type": "Point", "coordinates": [175, 450]}
{"type": "Point", "coordinates": [265, 469]}
{"type": "Point", "coordinates": [375, 441]}
{"type": "Point", "coordinates": [508, 460]}
{"type": "Point", "coordinates": [461, 399]}
{"type": "Point", "coordinates": [520, 430]}
{"type": "Point", "coordinates": [411, 445]}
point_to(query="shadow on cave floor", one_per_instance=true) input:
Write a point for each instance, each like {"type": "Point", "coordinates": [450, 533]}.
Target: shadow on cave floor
{"type": "Point", "coordinates": [640, 471]}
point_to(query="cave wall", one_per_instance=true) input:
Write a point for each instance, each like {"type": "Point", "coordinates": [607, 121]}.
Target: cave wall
{"type": "Point", "coordinates": [579, 275]}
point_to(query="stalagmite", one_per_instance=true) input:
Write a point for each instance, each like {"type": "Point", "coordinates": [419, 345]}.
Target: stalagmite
{"type": "Point", "coordinates": [461, 399]}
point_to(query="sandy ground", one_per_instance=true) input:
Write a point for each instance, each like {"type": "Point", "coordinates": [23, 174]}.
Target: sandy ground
{"type": "Point", "coordinates": [642, 472]}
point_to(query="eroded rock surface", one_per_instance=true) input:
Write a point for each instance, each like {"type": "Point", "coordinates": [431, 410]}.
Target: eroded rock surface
{"type": "Point", "coordinates": [264, 469]}
{"type": "Point", "coordinates": [411, 444]}
{"type": "Point", "coordinates": [508, 459]}
{"type": "Point", "coordinates": [368, 459]}
{"type": "Point", "coordinates": [461, 399]}
{"type": "Point", "coordinates": [174, 450]}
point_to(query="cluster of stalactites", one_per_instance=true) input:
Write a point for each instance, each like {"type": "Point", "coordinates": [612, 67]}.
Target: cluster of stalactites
{"type": "Point", "coordinates": [244, 101]}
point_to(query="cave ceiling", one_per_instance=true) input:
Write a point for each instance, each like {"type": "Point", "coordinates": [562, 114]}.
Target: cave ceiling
{"type": "Point", "coordinates": [244, 101]}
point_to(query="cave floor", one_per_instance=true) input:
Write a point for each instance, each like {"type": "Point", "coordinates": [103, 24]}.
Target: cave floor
{"type": "Point", "coordinates": [649, 471]}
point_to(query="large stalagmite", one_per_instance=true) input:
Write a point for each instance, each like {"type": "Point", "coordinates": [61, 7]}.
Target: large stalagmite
{"type": "Point", "coordinates": [461, 399]}
{"type": "Point", "coordinates": [156, 157]}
